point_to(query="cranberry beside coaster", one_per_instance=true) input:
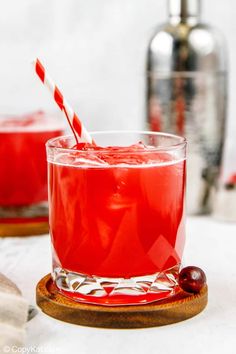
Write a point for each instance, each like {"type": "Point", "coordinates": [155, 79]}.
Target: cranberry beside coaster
{"type": "Point", "coordinates": [175, 309]}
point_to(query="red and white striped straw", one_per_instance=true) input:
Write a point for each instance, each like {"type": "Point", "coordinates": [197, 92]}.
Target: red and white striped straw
{"type": "Point", "coordinates": [79, 131]}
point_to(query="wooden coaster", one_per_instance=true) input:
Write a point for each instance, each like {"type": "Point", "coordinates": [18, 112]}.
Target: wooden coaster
{"type": "Point", "coordinates": [175, 309]}
{"type": "Point", "coordinates": [23, 228]}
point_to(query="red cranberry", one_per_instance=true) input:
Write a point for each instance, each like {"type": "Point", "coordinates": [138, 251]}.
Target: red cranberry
{"type": "Point", "coordinates": [192, 279]}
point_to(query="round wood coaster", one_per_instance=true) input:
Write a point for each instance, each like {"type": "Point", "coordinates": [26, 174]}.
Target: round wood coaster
{"type": "Point", "coordinates": [24, 228]}
{"type": "Point", "coordinates": [175, 309]}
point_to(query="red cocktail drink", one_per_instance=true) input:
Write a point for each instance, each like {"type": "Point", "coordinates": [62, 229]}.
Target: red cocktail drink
{"type": "Point", "coordinates": [23, 177]}
{"type": "Point", "coordinates": [117, 219]}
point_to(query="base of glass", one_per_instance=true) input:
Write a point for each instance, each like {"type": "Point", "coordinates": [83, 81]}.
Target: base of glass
{"type": "Point", "coordinates": [117, 291]}
{"type": "Point", "coordinates": [11, 213]}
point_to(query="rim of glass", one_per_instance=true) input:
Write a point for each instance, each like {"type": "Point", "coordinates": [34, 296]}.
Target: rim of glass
{"type": "Point", "coordinates": [179, 145]}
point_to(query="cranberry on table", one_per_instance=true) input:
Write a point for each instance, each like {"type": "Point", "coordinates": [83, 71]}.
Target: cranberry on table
{"type": "Point", "coordinates": [192, 279]}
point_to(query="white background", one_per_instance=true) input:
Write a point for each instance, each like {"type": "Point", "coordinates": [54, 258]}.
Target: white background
{"type": "Point", "coordinates": [95, 50]}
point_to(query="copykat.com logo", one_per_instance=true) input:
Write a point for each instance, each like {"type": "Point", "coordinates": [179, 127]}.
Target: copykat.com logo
{"type": "Point", "coordinates": [31, 349]}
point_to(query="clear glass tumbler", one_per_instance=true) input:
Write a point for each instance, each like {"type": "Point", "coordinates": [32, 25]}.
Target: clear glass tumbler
{"type": "Point", "coordinates": [116, 215]}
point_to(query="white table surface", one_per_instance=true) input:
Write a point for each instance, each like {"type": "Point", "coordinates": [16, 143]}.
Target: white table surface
{"type": "Point", "coordinates": [210, 245]}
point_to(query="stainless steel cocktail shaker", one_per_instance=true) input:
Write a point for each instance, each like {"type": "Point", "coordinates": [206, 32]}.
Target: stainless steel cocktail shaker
{"type": "Point", "coordinates": [187, 95]}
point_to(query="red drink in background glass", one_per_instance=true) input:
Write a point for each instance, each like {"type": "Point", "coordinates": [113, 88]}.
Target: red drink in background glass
{"type": "Point", "coordinates": [116, 219]}
{"type": "Point", "coordinates": [23, 175]}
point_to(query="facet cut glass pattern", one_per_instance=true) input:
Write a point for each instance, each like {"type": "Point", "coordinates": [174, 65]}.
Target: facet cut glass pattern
{"type": "Point", "coordinates": [117, 291]}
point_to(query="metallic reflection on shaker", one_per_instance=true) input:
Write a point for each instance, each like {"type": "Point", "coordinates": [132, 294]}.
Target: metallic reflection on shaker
{"type": "Point", "coordinates": [187, 95]}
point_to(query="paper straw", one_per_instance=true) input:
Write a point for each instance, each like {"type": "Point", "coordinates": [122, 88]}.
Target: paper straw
{"type": "Point", "coordinates": [79, 131]}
